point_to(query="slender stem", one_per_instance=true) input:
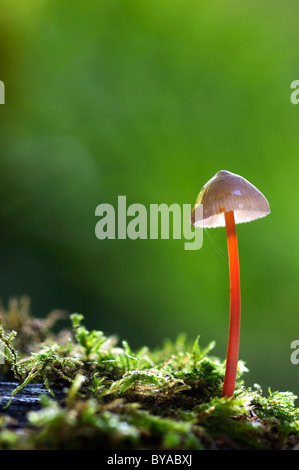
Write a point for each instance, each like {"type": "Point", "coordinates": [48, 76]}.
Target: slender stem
{"type": "Point", "coordinates": [235, 307]}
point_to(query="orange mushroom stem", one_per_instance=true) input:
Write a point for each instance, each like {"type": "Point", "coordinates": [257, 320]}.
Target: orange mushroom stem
{"type": "Point", "coordinates": [235, 307]}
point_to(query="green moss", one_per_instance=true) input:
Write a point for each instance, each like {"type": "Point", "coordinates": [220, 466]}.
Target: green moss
{"type": "Point", "coordinates": [117, 398]}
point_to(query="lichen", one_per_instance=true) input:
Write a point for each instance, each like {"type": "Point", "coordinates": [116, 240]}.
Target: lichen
{"type": "Point", "coordinates": [117, 398]}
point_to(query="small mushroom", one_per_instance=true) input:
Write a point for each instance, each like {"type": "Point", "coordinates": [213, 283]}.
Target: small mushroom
{"type": "Point", "coordinates": [228, 199]}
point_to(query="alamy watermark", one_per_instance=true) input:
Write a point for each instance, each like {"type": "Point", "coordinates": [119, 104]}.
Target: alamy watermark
{"type": "Point", "coordinates": [137, 222]}
{"type": "Point", "coordinates": [2, 355]}
{"type": "Point", "coordinates": [295, 94]}
{"type": "Point", "coordinates": [2, 93]}
{"type": "Point", "coordinates": [295, 354]}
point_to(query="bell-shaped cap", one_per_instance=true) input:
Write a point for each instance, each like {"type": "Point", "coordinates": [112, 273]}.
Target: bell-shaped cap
{"type": "Point", "coordinates": [228, 192]}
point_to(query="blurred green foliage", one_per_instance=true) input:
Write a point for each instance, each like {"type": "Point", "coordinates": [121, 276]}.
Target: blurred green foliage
{"type": "Point", "coordinates": [149, 100]}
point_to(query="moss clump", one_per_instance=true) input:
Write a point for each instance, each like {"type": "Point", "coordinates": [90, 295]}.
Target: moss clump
{"type": "Point", "coordinates": [116, 398]}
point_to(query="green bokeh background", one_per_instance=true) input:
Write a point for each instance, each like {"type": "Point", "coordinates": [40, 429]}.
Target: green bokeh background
{"type": "Point", "coordinates": [149, 99]}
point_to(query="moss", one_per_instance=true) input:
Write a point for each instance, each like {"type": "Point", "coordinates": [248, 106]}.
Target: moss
{"type": "Point", "coordinates": [117, 398]}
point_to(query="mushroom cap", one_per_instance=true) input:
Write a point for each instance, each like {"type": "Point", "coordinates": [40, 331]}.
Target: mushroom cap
{"type": "Point", "coordinates": [226, 192]}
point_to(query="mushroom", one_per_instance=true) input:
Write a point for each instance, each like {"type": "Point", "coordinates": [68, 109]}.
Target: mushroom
{"type": "Point", "coordinates": [226, 200]}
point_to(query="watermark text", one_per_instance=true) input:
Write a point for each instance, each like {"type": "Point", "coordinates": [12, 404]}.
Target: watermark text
{"type": "Point", "coordinates": [295, 94]}
{"type": "Point", "coordinates": [136, 222]}
{"type": "Point", "coordinates": [2, 92]}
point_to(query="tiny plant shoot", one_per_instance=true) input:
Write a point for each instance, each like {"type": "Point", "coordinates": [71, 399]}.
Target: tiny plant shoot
{"type": "Point", "coordinates": [227, 200]}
